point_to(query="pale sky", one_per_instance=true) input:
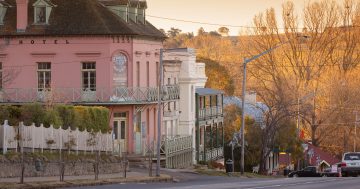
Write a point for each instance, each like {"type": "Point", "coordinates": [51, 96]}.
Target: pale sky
{"type": "Point", "coordinates": [228, 12]}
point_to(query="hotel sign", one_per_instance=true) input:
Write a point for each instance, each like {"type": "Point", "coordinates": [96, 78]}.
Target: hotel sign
{"type": "Point", "coordinates": [44, 41]}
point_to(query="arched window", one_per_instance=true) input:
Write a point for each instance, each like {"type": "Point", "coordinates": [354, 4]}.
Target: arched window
{"type": "Point", "coordinates": [120, 67]}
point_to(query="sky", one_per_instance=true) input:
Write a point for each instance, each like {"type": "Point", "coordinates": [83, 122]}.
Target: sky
{"type": "Point", "coordinates": [224, 12]}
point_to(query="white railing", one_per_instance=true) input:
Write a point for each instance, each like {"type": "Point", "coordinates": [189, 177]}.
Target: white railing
{"type": "Point", "coordinates": [178, 151]}
{"type": "Point", "coordinates": [41, 138]}
{"type": "Point", "coordinates": [79, 95]}
{"type": "Point", "coordinates": [211, 154]}
{"type": "Point", "coordinates": [210, 111]}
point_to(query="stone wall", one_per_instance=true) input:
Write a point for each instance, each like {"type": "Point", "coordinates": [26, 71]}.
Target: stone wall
{"type": "Point", "coordinates": [13, 169]}
{"type": "Point", "coordinates": [10, 164]}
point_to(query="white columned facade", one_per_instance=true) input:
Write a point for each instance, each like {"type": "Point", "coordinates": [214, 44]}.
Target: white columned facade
{"type": "Point", "coordinates": [191, 76]}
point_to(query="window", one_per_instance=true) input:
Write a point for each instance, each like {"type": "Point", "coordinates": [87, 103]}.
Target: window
{"type": "Point", "coordinates": [138, 73]}
{"type": "Point", "coordinates": [40, 15]}
{"type": "Point", "coordinates": [42, 11]}
{"type": "Point", "coordinates": [116, 130]}
{"type": "Point", "coordinates": [89, 76]}
{"type": "Point", "coordinates": [148, 73]}
{"type": "Point", "coordinates": [44, 76]}
{"type": "Point", "coordinates": [120, 115]}
{"type": "Point", "coordinates": [1, 81]}
{"type": "Point", "coordinates": [2, 12]}
{"type": "Point", "coordinates": [157, 74]}
{"type": "Point", "coordinates": [352, 156]}
{"type": "Point", "coordinates": [168, 82]}
{"type": "Point", "coordinates": [175, 82]}
{"type": "Point", "coordinates": [122, 132]}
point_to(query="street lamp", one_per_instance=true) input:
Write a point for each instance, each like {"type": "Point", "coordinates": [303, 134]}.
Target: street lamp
{"type": "Point", "coordinates": [246, 61]}
{"type": "Point", "coordinates": [158, 145]}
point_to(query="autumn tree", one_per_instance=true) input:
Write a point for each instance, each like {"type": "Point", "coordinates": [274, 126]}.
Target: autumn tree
{"type": "Point", "coordinates": [224, 31]}
{"type": "Point", "coordinates": [218, 77]}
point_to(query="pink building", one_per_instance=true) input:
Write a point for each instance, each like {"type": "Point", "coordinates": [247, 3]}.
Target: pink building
{"type": "Point", "coordinates": [86, 52]}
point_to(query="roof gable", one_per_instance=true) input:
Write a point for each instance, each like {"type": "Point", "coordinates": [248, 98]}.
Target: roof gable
{"type": "Point", "coordinates": [46, 3]}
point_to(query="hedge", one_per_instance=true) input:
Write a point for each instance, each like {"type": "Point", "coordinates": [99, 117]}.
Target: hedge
{"type": "Point", "coordinates": [81, 117]}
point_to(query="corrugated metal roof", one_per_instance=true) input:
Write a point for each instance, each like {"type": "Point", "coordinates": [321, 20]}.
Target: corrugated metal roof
{"type": "Point", "coordinates": [208, 91]}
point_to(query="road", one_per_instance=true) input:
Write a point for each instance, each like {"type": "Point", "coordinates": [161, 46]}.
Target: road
{"type": "Point", "coordinates": [190, 181]}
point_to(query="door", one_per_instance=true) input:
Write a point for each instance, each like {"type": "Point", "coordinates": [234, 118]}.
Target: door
{"type": "Point", "coordinates": [120, 137]}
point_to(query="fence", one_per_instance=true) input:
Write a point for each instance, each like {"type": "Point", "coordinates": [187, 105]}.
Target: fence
{"type": "Point", "coordinates": [178, 152]}
{"type": "Point", "coordinates": [40, 138]}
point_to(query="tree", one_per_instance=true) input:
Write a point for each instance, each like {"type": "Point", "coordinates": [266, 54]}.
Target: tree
{"type": "Point", "coordinates": [218, 77]}
{"type": "Point", "coordinates": [224, 31]}
{"type": "Point", "coordinates": [214, 33]}
{"type": "Point", "coordinates": [201, 31]}
{"type": "Point", "coordinates": [173, 32]}
{"type": "Point", "coordinates": [299, 75]}
{"type": "Point", "coordinates": [232, 121]}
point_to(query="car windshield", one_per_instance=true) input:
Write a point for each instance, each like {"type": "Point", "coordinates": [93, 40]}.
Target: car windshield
{"type": "Point", "coordinates": [352, 157]}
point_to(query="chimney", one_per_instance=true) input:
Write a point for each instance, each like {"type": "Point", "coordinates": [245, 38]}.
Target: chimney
{"type": "Point", "coordinates": [21, 15]}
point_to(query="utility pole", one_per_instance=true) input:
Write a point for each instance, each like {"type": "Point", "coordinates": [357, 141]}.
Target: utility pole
{"type": "Point", "coordinates": [159, 113]}
{"type": "Point", "coordinates": [243, 120]}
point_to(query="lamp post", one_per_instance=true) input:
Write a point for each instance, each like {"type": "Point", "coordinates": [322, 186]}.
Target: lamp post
{"type": "Point", "coordinates": [159, 114]}
{"type": "Point", "coordinates": [246, 61]}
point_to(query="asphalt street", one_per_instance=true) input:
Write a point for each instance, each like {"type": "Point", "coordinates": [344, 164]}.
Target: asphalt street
{"type": "Point", "coordinates": [190, 181]}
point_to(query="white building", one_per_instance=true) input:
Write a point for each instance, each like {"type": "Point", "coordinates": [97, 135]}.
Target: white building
{"type": "Point", "coordinates": [180, 67]}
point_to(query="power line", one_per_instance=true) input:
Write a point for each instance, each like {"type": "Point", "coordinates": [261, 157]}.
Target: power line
{"type": "Point", "coordinates": [203, 23]}
{"type": "Point", "coordinates": [206, 23]}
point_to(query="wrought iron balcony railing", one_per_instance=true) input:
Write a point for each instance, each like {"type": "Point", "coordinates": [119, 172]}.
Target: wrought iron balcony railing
{"type": "Point", "coordinates": [208, 112]}
{"type": "Point", "coordinates": [124, 95]}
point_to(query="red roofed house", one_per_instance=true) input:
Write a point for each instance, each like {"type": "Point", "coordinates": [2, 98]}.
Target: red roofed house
{"type": "Point", "coordinates": [315, 156]}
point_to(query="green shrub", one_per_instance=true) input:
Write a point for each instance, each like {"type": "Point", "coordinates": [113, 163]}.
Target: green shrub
{"type": "Point", "coordinates": [4, 114]}
{"type": "Point", "coordinates": [15, 115]}
{"type": "Point", "coordinates": [67, 116]}
{"type": "Point", "coordinates": [81, 118]}
{"type": "Point", "coordinates": [92, 119]}
{"type": "Point", "coordinates": [52, 118]}
{"type": "Point", "coordinates": [105, 118]}
{"type": "Point", "coordinates": [33, 113]}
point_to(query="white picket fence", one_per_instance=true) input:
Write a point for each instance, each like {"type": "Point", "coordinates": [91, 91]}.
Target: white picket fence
{"type": "Point", "coordinates": [41, 138]}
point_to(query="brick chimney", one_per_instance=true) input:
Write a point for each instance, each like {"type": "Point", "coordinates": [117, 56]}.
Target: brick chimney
{"type": "Point", "coordinates": [21, 15]}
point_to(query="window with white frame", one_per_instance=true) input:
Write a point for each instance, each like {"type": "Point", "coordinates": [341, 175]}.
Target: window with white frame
{"type": "Point", "coordinates": [40, 15]}
{"type": "Point", "coordinates": [89, 76]}
{"type": "Point", "coordinates": [42, 11]}
{"type": "Point", "coordinates": [3, 9]}
{"type": "Point", "coordinates": [44, 76]}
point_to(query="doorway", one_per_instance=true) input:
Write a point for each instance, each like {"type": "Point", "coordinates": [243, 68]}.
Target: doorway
{"type": "Point", "coordinates": [120, 137]}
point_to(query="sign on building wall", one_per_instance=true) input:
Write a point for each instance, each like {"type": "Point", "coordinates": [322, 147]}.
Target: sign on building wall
{"type": "Point", "coordinates": [120, 70]}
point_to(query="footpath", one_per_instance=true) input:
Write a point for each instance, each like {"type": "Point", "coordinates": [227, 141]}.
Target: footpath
{"type": "Point", "coordinates": [134, 176]}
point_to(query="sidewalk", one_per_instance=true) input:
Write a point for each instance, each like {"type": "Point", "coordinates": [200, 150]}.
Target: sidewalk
{"type": "Point", "coordinates": [84, 180]}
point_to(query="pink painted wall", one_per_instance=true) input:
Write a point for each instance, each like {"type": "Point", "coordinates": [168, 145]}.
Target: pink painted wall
{"type": "Point", "coordinates": [149, 53]}
{"type": "Point", "coordinates": [130, 112]}
{"type": "Point", "coordinates": [66, 55]}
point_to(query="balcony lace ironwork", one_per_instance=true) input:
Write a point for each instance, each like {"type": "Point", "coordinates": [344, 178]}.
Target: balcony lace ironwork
{"type": "Point", "coordinates": [121, 95]}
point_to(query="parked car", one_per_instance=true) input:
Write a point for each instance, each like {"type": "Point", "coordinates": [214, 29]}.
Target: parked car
{"type": "Point", "coordinates": [350, 164]}
{"type": "Point", "coordinates": [309, 171]}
